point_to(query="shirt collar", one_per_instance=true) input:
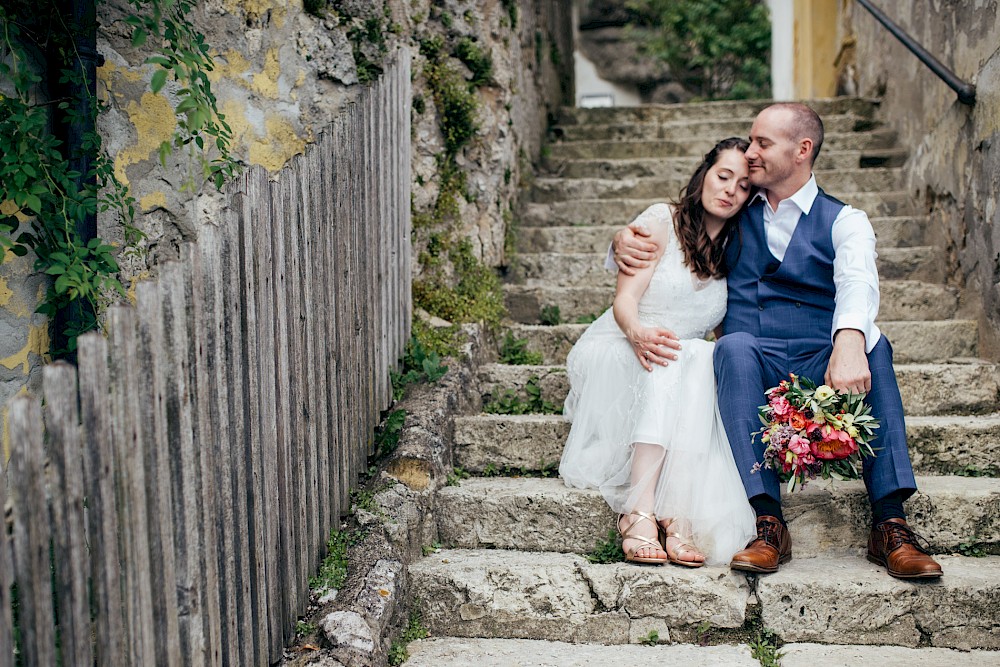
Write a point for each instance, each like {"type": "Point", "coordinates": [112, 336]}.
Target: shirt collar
{"type": "Point", "coordinates": [803, 198]}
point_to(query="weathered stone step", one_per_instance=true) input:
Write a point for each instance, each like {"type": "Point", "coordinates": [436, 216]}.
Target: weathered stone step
{"type": "Point", "coordinates": [901, 232]}
{"type": "Point", "coordinates": [455, 652]}
{"type": "Point", "coordinates": [911, 341]}
{"type": "Point", "coordinates": [565, 268]}
{"type": "Point", "coordinates": [964, 387]}
{"type": "Point", "coordinates": [617, 212]}
{"type": "Point", "coordinates": [840, 600]}
{"type": "Point", "coordinates": [708, 128]}
{"type": "Point", "coordinates": [863, 108]}
{"type": "Point", "coordinates": [548, 190]}
{"type": "Point", "coordinates": [534, 443]}
{"type": "Point", "coordinates": [602, 147]}
{"type": "Point", "coordinates": [461, 652]}
{"type": "Point", "coordinates": [535, 514]}
{"type": "Point", "coordinates": [562, 597]}
{"type": "Point", "coordinates": [682, 167]}
{"type": "Point", "coordinates": [900, 300]}
{"type": "Point", "coordinates": [825, 655]}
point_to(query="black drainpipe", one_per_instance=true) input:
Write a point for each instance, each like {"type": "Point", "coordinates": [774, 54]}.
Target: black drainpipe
{"type": "Point", "coordinates": [81, 17]}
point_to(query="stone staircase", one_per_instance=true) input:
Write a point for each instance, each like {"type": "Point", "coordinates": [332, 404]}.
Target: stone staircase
{"type": "Point", "coordinates": [511, 584]}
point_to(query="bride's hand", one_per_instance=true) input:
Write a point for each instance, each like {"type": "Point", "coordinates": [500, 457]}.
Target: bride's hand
{"type": "Point", "coordinates": [653, 345]}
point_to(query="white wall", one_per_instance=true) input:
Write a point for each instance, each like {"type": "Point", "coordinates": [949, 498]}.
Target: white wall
{"type": "Point", "coordinates": [782, 49]}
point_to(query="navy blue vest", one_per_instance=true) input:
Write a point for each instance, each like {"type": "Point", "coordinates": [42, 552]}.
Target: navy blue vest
{"type": "Point", "coordinates": [791, 299]}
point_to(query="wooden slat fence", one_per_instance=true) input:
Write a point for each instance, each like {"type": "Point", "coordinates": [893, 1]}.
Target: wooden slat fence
{"type": "Point", "coordinates": [170, 501]}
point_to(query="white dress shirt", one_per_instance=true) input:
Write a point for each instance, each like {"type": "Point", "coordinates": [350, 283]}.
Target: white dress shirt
{"type": "Point", "coordinates": [855, 276]}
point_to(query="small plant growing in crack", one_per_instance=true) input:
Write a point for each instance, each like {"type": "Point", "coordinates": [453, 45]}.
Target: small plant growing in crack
{"type": "Point", "coordinates": [607, 550]}
{"type": "Point", "coordinates": [652, 639]}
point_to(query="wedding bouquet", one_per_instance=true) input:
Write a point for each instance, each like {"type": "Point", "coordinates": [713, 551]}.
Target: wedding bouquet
{"type": "Point", "coordinates": [814, 432]}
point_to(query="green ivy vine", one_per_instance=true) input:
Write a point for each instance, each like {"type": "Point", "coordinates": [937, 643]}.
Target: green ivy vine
{"type": "Point", "coordinates": [453, 284]}
{"type": "Point", "coordinates": [43, 199]}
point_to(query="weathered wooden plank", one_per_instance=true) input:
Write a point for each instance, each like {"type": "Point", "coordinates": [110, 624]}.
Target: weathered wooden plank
{"type": "Point", "coordinates": [286, 574]}
{"type": "Point", "coordinates": [32, 532]}
{"type": "Point", "coordinates": [333, 204]}
{"type": "Point", "coordinates": [303, 544]}
{"type": "Point", "coordinates": [72, 562]}
{"type": "Point", "coordinates": [401, 190]}
{"type": "Point", "coordinates": [359, 358]}
{"type": "Point", "coordinates": [205, 460]}
{"type": "Point", "coordinates": [313, 305]}
{"type": "Point", "coordinates": [382, 235]}
{"type": "Point", "coordinates": [258, 365]}
{"type": "Point", "coordinates": [131, 485]}
{"type": "Point", "coordinates": [404, 206]}
{"type": "Point", "coordinates": [6, 581]}
{"type": "Point", "coordinates": [368, 333]}
{"type": "Point", "coordinates": [237, 379]}
{"type": "Point", "coordinates": [343, 181]}
{"type": "Point", "coordinates": [300, 254]}
{"type": "Point", "coordinates": [267, 405]}
{"type": "Point", "coordinates": [216, 436]}
{"type": "Point", "coordinates": [184, 486]}
{"type": "Point", "coordinates": [159, 501]}
{"type": "Point", "coordinates": [102, 517]}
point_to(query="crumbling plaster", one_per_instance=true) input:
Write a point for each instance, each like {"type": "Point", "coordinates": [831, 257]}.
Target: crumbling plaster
{"type": "Point", "coordinates": [953, 171]}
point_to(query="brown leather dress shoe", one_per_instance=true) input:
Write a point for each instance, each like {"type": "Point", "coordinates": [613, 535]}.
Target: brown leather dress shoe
{"type": "Point", "coordinates": [771, 548]}
{"type": "Point", "coordinates": [893, 545]}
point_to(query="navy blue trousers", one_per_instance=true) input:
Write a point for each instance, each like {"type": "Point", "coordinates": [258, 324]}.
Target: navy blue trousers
{"type": "Point", "coordinates": [746, 366]}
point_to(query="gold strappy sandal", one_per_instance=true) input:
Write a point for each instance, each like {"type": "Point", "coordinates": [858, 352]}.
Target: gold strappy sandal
{"type": "Point", "coordinates": [685, 546]}
{"type": "Point", "coordinates": [645, 542]}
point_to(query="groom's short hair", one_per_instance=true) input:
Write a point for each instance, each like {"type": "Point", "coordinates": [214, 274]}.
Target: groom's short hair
{"type": "Point", "coordinates": [806, 123]}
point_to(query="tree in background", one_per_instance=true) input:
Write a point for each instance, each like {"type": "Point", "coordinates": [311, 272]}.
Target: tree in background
{"type": "Point", "coordinates": [717, 49]}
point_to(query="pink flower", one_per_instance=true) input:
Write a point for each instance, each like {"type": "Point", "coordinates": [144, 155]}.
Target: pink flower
{"type": "Point", "coordinates": [780, 406]}
{"type": "Point", "coordinates": [799, 445]}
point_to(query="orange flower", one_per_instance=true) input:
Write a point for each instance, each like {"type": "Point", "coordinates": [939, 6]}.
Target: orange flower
{"type": "Point", "coordinates": [797, 420]}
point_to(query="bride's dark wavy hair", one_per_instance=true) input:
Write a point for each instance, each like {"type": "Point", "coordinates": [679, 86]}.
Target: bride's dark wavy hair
{"type": "Point", "coordinates": [701, 254]}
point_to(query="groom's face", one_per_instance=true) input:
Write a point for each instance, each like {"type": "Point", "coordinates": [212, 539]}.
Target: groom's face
{"type": "Point", "coordinates": [771, 155]}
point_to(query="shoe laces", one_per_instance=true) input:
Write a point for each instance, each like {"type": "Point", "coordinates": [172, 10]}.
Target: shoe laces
{"type": "Point", "coordinates": [898, 534]}
{"type": "Point", "coordinates": [767, 530]}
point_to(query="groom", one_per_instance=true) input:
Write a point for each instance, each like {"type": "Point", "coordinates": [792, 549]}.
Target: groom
{"type": "Point", "coordinates": [803, 297]}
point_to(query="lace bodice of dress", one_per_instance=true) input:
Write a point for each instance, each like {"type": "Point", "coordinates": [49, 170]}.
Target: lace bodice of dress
{"type": "Point", "coordinates": [676, 299]}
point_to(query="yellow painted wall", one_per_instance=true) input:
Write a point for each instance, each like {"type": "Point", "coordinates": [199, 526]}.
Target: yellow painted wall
{"type": "Point", "coordinates": [817, 42]}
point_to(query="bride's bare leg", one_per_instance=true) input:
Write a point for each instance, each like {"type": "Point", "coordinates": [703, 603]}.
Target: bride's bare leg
{"type": "Point", "coordinates": [647, 462]}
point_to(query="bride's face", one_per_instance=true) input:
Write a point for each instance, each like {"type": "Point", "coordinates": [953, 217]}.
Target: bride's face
{"type": "Point", "coordinates": [727, 185]}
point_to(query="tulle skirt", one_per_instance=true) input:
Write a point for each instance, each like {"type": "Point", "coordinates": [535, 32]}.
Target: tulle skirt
{"type": "Point", "coordinates": [654, 441]}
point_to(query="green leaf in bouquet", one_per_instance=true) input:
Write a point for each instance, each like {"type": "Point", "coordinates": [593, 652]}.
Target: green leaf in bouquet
{"type": "Point", "coordinates": [792, 481]}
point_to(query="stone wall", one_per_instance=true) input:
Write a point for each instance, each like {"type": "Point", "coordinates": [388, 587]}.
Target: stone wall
{"type": "Point", "coordinates": [954, 165]}
{"type": "Point", "coordinates": [281, 76]}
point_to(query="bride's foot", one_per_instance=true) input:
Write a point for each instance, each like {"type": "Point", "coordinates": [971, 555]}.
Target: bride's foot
{"type": "Point", "coordinates": [677, 542]}
{"type": "Point", "coordinates": [640, 538]}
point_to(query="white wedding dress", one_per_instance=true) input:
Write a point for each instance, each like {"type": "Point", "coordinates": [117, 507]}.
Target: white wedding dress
{"type": "Point", "coordinates": [667, 421]}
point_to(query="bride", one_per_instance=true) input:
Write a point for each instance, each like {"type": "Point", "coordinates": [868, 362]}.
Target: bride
{"type": "Point", "coordinates": [646, 428]}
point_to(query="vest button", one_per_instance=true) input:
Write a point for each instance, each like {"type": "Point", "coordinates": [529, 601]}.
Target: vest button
{"type": "Point", "coordinates": [798, 304]}
{"type": "Point", "coordinates": [761, 307]}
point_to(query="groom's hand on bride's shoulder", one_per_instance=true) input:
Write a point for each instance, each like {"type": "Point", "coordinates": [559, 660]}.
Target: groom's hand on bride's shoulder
{"type": "Point", "coordinates": [633, 249]}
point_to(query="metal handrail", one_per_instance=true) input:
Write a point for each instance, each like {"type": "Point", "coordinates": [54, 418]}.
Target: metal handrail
{"type": "Point", "coordinates": [966, 91]}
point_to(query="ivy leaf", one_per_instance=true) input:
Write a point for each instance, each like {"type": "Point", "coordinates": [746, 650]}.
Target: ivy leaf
{"type": "Point", "coordinates": [159, 78]}
{"type": "Point", "coordinates": [138, 36]}
{"type": "Point", "coordinates": [33, 202]}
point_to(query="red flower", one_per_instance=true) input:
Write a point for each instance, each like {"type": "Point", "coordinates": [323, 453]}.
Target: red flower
{"type": "Point", "coordinates": [834, 446]}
